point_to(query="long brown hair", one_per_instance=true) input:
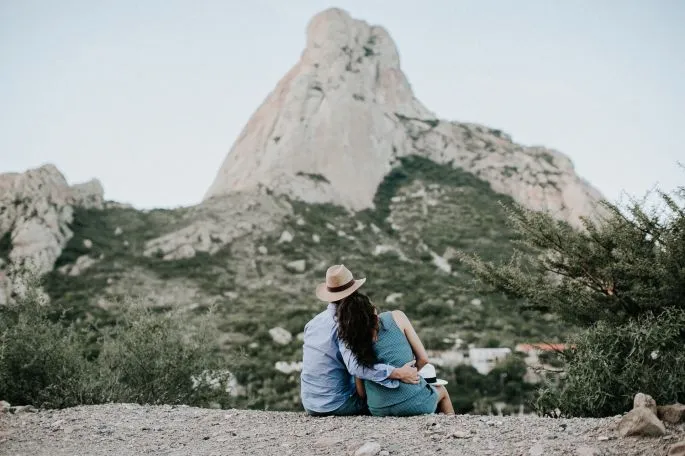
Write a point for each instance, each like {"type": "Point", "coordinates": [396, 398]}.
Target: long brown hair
{"type": "Point", "coordinates": [357, 322]}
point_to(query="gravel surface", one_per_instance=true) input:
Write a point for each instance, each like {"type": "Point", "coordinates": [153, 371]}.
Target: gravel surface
{"type": "Point", "coordinates": [126, 429]}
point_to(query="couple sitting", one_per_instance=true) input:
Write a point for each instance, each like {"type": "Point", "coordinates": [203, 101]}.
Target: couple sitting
{"type": "Point", "coordinates": [356, 361]}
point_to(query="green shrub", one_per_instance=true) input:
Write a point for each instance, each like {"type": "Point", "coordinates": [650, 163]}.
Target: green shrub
{"type": "Point", "coordinates": [159, 359]}
{"type": "Point", "coordinates": [144, 357]}
{"type": "Point", "coordinates": [621, 279]}
{"type": "Point", "coordinates": [610, 364]}
{"type": "Point", "coordinates": [42, 362]}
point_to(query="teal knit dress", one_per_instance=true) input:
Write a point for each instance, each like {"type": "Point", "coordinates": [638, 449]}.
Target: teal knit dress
{"type": "Point", "coordinates": [392, 347]}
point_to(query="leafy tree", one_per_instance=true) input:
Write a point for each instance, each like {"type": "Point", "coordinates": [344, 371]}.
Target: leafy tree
{"type": "Point", "coordinates": [621, 280]}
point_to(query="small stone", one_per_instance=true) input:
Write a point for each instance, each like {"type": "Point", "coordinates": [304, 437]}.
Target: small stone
{"type": "Point", "coordinates": [644, 400]}
{"type": "Point", "coordinates": [368, 449]}
{"type": "Point", "coordinates": [300, 222]}
{"type": "Point", "coordinates": [4, 406]}
{"type": "Point", "coordinates": [588, 451]}
{"type": "Point", "coordinates": [641, 421]}
{"type": "Point", "coordinates": [118, 231]}
{"type": "Point", "coordinates": [316, 238]}
{"type": "Point", "coordinates": [87, 243]}
{"type": "Point", "coordinates": [262, 250]}
{"type": "Point", "coordinates": [461, 435]}
{"type": "Point", "coordinates": [674, 413]}
{"type": "Point", "coordinates": [677, 449]}
{"type": "Point", "coordinates": [384, 453]}
{"type": "Point", "coordinates": [603, 438]}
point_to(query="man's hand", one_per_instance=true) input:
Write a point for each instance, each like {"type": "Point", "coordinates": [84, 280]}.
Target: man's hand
{"type": "Point", "coordinates": [406, 373]}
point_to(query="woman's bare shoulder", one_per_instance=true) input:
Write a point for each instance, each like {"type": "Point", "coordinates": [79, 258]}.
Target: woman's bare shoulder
{"type": "Point", "coordinates": [400, 318]}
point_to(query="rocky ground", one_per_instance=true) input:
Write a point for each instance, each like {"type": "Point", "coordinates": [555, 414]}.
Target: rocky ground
{"type": "Point", "coordinates": [125, 429]}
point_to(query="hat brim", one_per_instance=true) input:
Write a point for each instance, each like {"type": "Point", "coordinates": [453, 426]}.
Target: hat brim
{"type": "Point", "coordinates": [324, 295]}
{"type": "Point", "coordinates": [439, 382]}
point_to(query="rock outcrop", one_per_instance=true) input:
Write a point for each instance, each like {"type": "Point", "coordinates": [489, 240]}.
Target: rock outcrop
{"type": "Point", "coordinates": [337, 122]}
{"type": "Point", "coordinates": [212, 225]}
{"type": "Point", "coordinates": [36, 208]}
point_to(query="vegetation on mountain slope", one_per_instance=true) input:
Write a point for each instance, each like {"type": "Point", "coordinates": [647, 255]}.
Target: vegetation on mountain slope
{"type": "Point", "coordinates": [405, 246]}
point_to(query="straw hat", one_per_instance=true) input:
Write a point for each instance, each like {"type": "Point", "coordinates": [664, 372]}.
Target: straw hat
{"type": "Point", "coordinates": [339, 284]}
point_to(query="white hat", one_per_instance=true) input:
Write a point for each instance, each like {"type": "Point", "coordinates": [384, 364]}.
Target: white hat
{"type": "Point", "coordinates": [429, 375]}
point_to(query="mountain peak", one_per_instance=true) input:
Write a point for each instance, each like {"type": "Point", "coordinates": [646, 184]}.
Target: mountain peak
{"type": "Point", "coordinates": [339, 120]}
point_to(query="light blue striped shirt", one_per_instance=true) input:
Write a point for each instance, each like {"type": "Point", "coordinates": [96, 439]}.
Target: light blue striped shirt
{"type": "Point", "coordinates": [329, 367]}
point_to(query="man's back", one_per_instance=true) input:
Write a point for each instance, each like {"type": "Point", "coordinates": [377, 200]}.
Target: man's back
{"type": "Point", "coordinates": [325, 382]}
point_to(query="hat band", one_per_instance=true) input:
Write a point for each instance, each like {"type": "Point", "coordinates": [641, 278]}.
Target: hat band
{"type": "Point", "coordinates": [430, 379]}
{"type": "Point", "coordinates": [341, 287]}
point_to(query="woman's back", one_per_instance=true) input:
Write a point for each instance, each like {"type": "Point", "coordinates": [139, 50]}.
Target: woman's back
{"type": "Point", "coordinates": [391, 348]}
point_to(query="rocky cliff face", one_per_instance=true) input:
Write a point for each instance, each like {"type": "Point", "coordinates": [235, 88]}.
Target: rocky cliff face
{"type": "Point", "coordinates": [338, 121]}
{"type": "Point", "coordinates": [36, 208]}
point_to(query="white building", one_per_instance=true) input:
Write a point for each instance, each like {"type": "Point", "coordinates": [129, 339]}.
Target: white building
{"type": "Point", "coordinates": [485, 359]}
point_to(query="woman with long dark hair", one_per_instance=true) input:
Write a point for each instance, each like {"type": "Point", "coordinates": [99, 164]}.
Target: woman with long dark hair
{"type": "Point", "coordinates": [388, 338]}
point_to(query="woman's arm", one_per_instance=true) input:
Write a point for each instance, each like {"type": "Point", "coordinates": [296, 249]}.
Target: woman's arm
{"type": "Point", "coordinates": [416, 346]}
{"type": "Point", "coordinates": [361, 389]}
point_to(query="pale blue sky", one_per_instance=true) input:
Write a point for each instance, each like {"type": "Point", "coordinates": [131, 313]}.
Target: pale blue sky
{"type": "Point", "coordinates": [149, 95]}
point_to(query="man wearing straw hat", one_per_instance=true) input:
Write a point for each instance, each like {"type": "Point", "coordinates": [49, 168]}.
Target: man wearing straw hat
{"type": "Point", "coordinates": [329, 367]}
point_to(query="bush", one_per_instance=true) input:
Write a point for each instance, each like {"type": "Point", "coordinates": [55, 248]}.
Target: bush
{"type": "Point", "coordinates": [610, 364]}
{"type": "Point", "coordinates": [144, 357]}
{"type": "Point", "coordinates": [622, 280]}
{"type": "Point", "coordinates": [41, 362]}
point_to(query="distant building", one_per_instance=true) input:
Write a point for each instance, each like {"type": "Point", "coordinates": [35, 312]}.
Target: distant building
{"type": "Point", "coordinates": [533, 351]}
{"type": "Point", "coordinates": [485, 359]}
{"type": "Point", "coordinates": [446, 358]}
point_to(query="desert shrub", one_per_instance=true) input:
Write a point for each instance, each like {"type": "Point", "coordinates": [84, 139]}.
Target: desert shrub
{"type": "Point", "coordinates": [153, 358]}
{"type": "Point", "coordinates": [42, 362]}
{"type": "Point", "coordinates": [143, 357]}
{"type": "Point", "coordinates": [611, 363]}
{"type": "Point", "coordinates": [621, 280]}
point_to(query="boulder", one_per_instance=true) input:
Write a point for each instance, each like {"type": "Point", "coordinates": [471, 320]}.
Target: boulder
{"type": "Point", "coordinates": [677, 449]}
{"type": "Point", "coordinates": [674, 413]}
{"type": "Point", "coordinates": [368, 449]}
{"type": "Point", "coordinates": [4, 407]}
{"type": "Point", "coordinates": [297, 266]}
{"type": "Point", "coordinates": [82, 263]}
{"type": "Point", "coordinates": [644, 400]}
{"type": "Point", "coordinates": [588, 451]}
{"type": "Point", "coordinates": [393, 297]}
{"type": "Point", "coordinates": [641, 422]}
{"type": "Point", "coordinates": [288, 367]}
{"type": "Point", "coordinates": [285, 237]}
{"type": "Point", "coordinates": [280, 335]}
